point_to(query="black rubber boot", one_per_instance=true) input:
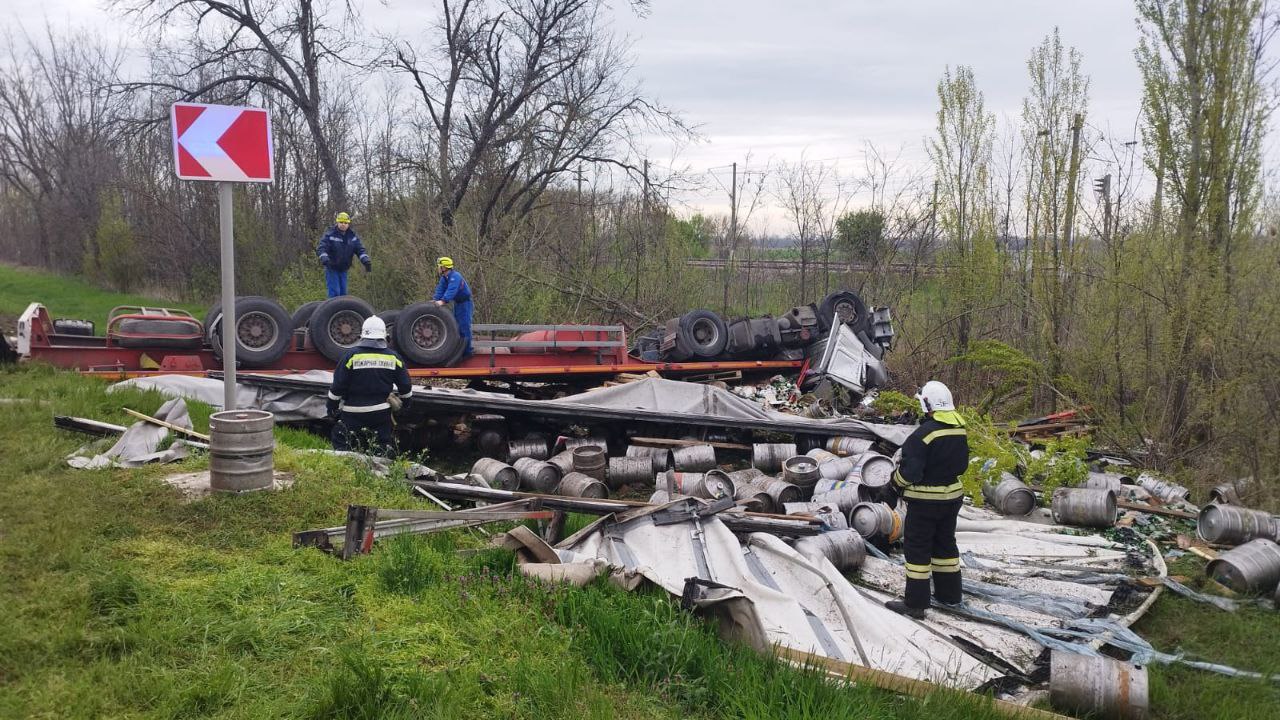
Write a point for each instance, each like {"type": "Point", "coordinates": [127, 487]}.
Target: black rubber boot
{"type": "Point", "coordinates": [904, 609]}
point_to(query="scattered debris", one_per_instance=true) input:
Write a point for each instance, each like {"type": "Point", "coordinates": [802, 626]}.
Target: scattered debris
{"type": "Point", "coordinates": [139, 444]}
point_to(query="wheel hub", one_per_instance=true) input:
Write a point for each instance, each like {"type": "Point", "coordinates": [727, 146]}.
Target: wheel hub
{"type": "Point", "coordinates": [344, 328]}
{"type": "Point", "coordinates": [428, 333]}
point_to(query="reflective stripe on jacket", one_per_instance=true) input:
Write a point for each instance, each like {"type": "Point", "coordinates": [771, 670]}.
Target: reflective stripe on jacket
{"type": "Point", "coordinates": [365, 377]}
{"type": "Point", "coordinates": [933, 459]}
{"type": "Point", "coordinates": [337, 248]}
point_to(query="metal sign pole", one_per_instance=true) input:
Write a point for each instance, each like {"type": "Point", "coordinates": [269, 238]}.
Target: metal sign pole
{"type": "Point", "coordinates": [228, 297]}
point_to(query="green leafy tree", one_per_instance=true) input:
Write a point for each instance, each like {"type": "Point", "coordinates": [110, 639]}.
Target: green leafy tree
{"type": "Point", "coordinates": [961, 154]}
{"type": "Point", "coordinates": [1206, 103]}
{"type": "Point", "coordinates": [861, 234]}
{"type": "Point", "coordinates": [1059, 93]}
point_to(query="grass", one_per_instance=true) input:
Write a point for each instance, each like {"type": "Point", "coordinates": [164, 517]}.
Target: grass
{"type": "Point", "coordinates": [122, 600]}
{"type": "Point", "coordinates": [125, 601]}
{"type": "Point", "coordinates": [70, 297]}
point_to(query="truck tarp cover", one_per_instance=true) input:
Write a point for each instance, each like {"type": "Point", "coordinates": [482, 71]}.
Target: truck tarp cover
{"type": "Point", "coordinates": [656, 397]}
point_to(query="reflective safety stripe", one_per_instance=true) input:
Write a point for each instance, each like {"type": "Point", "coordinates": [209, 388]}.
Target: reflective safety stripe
{"type": "Point", "coordinates": [899, 480]}
{"type": "Point", "coordinates": [334, 397]}
{"type": "Point", "coordinates": [375, 361]}
{"type": "Point", "coordinates": [942, 433]}
{"type": "Point", "coordinates": [947, 565]}
{"type": "Point", "coordinates": [917, 572]}
{"type": "Point", "coordinates": [366, 408]}
{"type": "Point", "coordinates": [406, 394]}
{"type": "Point", "coordinates": [932, 492]}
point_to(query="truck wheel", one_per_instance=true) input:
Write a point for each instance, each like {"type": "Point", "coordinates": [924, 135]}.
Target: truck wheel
{"type": "Point", "coordinates": [302, 315]}
{"type": "Point", "coordinates": [335, 325]}
{"type": "Point", "coordinates": [844, 307]}
{"type": "Point", "coordinates": [389, 317]}
{"type": "Point", "coordinates": [63, 326]}
{"type": "Point", "coordinates": [704, 333]}
{"type": "Point", "coordinates": [262, 331]}
{"type": "Point", "coordinates": [427, 335]}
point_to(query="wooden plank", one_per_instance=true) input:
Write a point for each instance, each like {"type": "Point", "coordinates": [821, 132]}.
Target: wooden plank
{"type": "Point", "coordinates": [1168, 512]}
{"type": "Point", "coordinates": [667, 442]}
{"type": "Point", "coordinates": [1203, 552]}
{"type": "Point", "coordinates": [171, 426]}
{"type": "Point", "coordinates": [904, 685]}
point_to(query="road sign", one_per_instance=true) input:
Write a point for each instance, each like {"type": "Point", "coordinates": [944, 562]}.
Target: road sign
{"type": "Point", "coordinates": [221, 143]}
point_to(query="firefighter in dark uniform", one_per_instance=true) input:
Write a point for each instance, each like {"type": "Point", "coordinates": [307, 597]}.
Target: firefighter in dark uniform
{"type": "Point", "coordinates": [928, 477]}
{"type": "Point", "coordinates": [364, 382]}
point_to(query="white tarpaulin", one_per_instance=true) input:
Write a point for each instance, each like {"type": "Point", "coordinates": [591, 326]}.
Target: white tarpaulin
{"type": "Point", "coordinates": [139, 444]}
{"type": "Point", "coordinates": [673, 396]}
{"type": "Point", "coordinates": [285, 405]}
{"type": "Point", "coordinates": [770, 594]}
{"type": "Point", "coordinates": [1040, 576]}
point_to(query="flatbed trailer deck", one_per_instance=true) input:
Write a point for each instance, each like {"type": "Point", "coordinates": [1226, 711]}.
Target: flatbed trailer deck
{"type": "Point", "coordinates": [561, 352]}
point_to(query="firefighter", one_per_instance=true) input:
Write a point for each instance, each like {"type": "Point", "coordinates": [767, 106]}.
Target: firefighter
{"type": "Point", "coordinates": [928, 477]}
{"type": "Point", "coordinates": [369, 381]}
{"type": "Point", "coordinates": [453, 288]}
{"type": "Point", "coordinates": [337, 247]}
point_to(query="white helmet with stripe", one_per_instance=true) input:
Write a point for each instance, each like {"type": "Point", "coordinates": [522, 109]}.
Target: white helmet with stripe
{"type": "Point", "coordinates": [373, 329]}
{"type": "Point", "coordinates": [934, 397]}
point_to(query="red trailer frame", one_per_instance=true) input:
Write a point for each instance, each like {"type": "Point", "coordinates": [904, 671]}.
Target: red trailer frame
{"type": "Point", "coordinates": [540, 352]}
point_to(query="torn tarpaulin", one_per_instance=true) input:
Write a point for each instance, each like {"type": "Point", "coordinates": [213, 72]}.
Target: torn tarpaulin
{"type": "Point", "coordinates": [139, 444]}
{"type": "Point", "coordinates": [768, 594]}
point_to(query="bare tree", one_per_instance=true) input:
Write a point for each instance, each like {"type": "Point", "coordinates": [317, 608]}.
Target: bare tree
{"type": "Point", "coordinates": [235, 48]}
{"type": "Point", "coordinates": [518, 93]}
{"type": "Point", "coordinates": [811, 195]}
{"type": "Point", "coordinates": [56, 137]}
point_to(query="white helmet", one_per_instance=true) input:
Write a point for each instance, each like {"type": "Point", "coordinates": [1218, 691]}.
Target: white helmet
{"type": "Point", "coordinates": [935, 396]}
{"type": "Point", "coordinates": [373, 329]}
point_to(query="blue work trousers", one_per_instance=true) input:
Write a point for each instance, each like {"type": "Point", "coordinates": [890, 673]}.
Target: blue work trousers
{"type": "Point", "coordinates": [336, 280]}
{"type": "Point", "coordinates": [462, 313]}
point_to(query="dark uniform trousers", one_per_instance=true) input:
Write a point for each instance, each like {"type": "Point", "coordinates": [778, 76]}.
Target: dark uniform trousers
{"type": "Point", "coordinates": [372, 433]}
{"type": "Point", "coordinates": [929, 542]}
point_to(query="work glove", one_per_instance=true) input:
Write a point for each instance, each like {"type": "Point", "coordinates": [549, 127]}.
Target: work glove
{"type": "Point", "coordinates": [395, 402]}
{"type": "Point", "coordinates": [331, 411]}
{"type": "Point", "coordinates": [368, 266]}
{"type": "Point", "coordinates": [324, 261]}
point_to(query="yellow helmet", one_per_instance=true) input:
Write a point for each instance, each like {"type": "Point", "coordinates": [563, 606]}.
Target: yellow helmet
{"type": "Point", "coordinates": [445, 262]}
{"type": "Point", "coordinates": [342, 218]}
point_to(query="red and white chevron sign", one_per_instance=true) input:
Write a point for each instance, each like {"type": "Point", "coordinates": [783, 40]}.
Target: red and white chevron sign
{"type": "Point", "coordinates": [221, 143]}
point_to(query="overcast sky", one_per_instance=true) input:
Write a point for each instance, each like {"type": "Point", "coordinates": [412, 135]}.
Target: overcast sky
{"type": "Point", "coordinates": [818, 79]}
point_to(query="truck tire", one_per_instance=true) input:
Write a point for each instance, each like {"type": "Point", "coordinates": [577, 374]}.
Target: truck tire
{"type": "Point", "coordinates": [302, 315]}
{"type": "Point", "coordinates": [335, 324]}
{"type": "Point", "coordinates": [703, 333]}
{"type": "Point", "coordinates": [427, 335]}
{"type": "Point", "coordinates": [845, 307]}
{"type": "Point", "coordinates": [389, 317]}
{"type": "Point", "coordinates": [263, 330]}
{"type": "Point", "coordinates": [63, 326]}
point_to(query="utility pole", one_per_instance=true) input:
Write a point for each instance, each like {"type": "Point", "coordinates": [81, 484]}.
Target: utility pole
{"type": "Point", "coordinates": [644, 230]}
{"type": "Point", "coordinates": [733, 238]}
{"type": "Point", "coordinates": [582, 226]}
{"type": "Point", "coordinates": [1102, 186]}
{"type": "Point", "coordinates": [1073, 174]}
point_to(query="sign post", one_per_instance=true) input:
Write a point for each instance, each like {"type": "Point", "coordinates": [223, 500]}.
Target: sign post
{"type": "Point", "coordinates": [223, 144]}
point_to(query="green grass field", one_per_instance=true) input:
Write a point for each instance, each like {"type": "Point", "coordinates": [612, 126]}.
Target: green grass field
{"type": "Point", "coordinates": [69, 298]}
{"type": "Point", "coordinates": [124, 600]}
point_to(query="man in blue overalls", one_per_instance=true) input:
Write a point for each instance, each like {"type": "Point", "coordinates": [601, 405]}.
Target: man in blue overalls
{"type": "Point", "coordinates": [336, 249]}
{"type": "Point", "coordinates": [453, 288]}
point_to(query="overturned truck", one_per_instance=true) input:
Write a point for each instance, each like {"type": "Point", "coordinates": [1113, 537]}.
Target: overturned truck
{"type": "Point", "coordinates": [140, 341]}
